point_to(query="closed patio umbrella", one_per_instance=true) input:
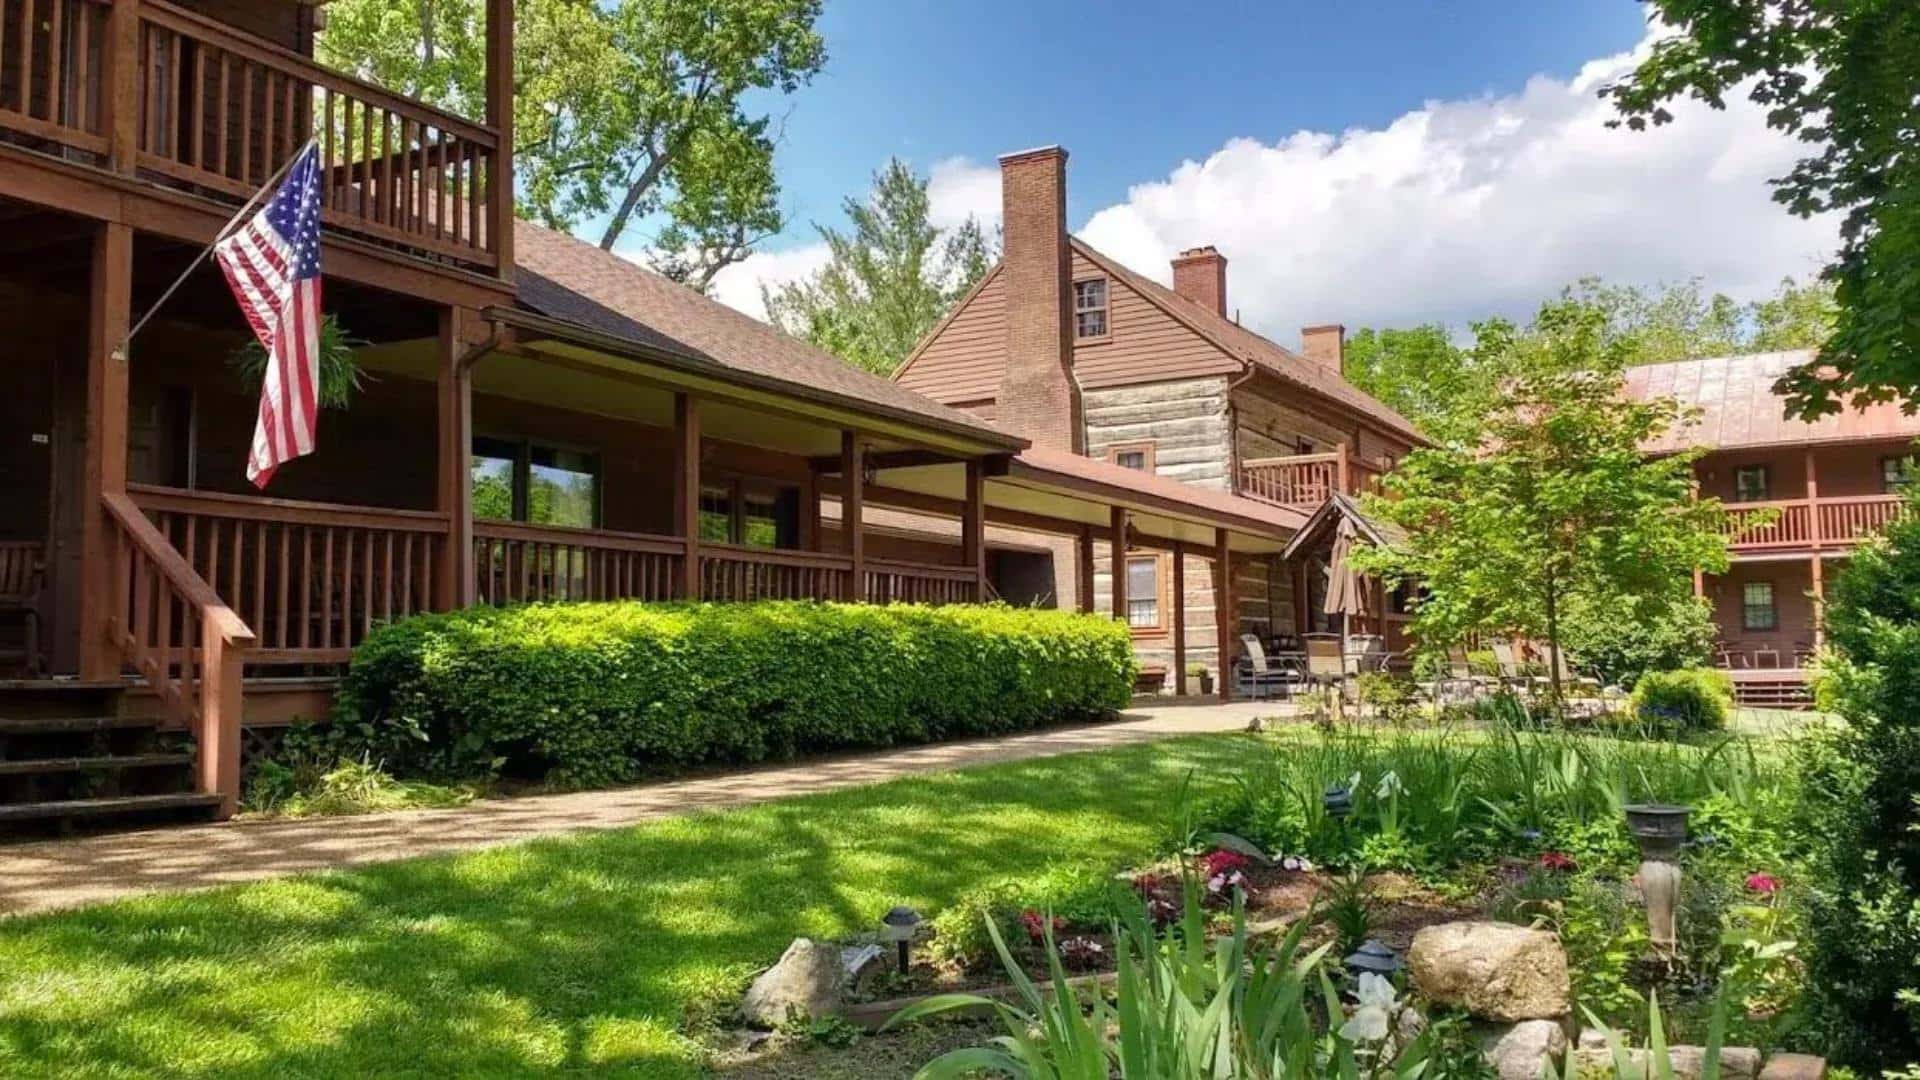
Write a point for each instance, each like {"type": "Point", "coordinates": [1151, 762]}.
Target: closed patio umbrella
{"type": "Point", "coordinates": [1346, 587]}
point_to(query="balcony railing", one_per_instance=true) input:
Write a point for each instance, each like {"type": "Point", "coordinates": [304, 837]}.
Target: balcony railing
{"type": "Point", "coordinates": [1305, 480]}
{"type": "Point", "coordinates": [1798, 523]}
{"type": "Point", "coordinates": [216, 111]}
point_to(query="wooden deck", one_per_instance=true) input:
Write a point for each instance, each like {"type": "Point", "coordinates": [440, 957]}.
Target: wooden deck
{"type": "Point", "coordinates": [1772, 688]}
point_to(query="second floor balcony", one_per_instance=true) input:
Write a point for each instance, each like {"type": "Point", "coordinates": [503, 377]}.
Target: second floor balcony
{"type": "Point", "coordinates": [1304, 481]}
{"type": "Point", "coordinates": [157, 91]}
{"type": "Point", "coordinates": [1808, 524]}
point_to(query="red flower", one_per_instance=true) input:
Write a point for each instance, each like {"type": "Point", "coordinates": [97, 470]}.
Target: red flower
{"type": "Point", "coordinates": [1036, 925]}
{"type": "Point", "coordinates": [1218, 863]}
{"type": "Point", "coordinates": [1763, 883]}
{"type": "Point", "coordinates": [1558, 860]}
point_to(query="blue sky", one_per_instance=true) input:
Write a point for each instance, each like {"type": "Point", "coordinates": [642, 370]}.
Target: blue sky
{"type": "Point", "coordinates": [1369, 162]}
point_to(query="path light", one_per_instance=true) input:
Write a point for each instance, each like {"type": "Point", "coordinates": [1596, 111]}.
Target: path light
{"type": "Point", "coordinates": [1338, 802]}
{"type": "Point", "coordinates": [1373, 957]}
{"type": "Point", "coordinates": [1660, 831]}
{"type": "Point", "coordinates": [899, 926]}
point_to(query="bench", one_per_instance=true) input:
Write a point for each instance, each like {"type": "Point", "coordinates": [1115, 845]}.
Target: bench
{"type": "Point", "coordinates": [22, 568]}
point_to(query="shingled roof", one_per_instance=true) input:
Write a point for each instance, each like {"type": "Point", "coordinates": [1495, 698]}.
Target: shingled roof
{"type": "Point", "coordinates": [568, 279]}
{"type": "Point", "coordinates": [1738, 407]}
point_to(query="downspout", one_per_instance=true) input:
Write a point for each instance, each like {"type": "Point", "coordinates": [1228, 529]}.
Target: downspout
{"type": "Point", "coordinates": [1247, 372]}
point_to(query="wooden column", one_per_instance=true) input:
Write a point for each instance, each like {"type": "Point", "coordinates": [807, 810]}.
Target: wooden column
{"type": "Point", "coordinates": [218, 762]}
{"type": "Point", "coordinates": [1223, 609]}
{"type": "Point", "coordinates": [1813, 503]}
{"type": "Point", "coordinates": [120, 85]}
{"type": "Point", "coordinates": [973, 529]}
{"type": "Point", "coordinates": [1818, 571]}
{"type": "Point", "coordinates": [109, 312]}
{"type": "Point", "coordinates": [686, 491]}
{"type": "Point", "coordinates": [500, 119]}
{"type": "Point", "coordinates": [853, 498]}
{"type": "Point", "coordinates": [1343, 468]}
{"type": "Point", "coordinates": [453, 576]}
{"type": "Point", "coordinates": [1179, 618]}
{"type": "Point", "coordinates": [1117, 564]}
{"type": "Point", "coordinates": [1083, 569]}
{"type": "Point", "coordinates": [1302, 615]}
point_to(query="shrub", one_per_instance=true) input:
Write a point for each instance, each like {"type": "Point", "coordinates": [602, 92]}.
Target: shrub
{"type": "Point", "coordinates": [1620, 638]}
{"type": "Point", "coordinates": [591, 694]}
{"type": "Point", "coordinates": [1690, 699]}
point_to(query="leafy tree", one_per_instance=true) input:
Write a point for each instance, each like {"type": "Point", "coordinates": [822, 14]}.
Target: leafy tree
{"type": "Point", "coordinates": [1419, 371]}
{"type": "Point", "coordinates": [888, 280]}
{"type": "Point", "coordinates": [1843, 77]}
{"type": "Point", "coordinates": [1555, 510]}
{"type": "Point", "coordinates": [632, 108]}
{"type": "Point", "coordinates": [1860, 812]}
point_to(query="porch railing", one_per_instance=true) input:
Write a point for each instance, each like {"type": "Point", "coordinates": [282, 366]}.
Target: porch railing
{"type": "Point", "coordinates": [515, 562]}
{"type": "Point", "coordinates": [731, 573]}
{"type": "Point", "coordinates": [1838, 521]}
{"type": "Point", "coordinates": [1850, 519]}
{"type": "Point", "coordinates": [1307, 479]}
{"type": "Point", "coordinates": [50, 71]}
{"type": "Point", "coordinates": [916, 583]}
{"type": "Point", "coordinates": [312, 579]}
{"type": "Point", "coordinates": [173, 628]}
{"type": "Point", "coordinates": [220, 110]}
{"type": "Point", "coordinates": [1792, 524]}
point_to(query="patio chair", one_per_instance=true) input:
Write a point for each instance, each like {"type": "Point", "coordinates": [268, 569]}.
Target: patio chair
{"type": "Point", "coordinates": [1570, 678]}
{"type": "Point", "coordinates": [1513, 676]}
{"type": "Point", "coordinates": [1729, 658]}
{"type": "Point", "coordinates": [22, 568]}
{"type": "Point", "coordinates": [1804, 654]}
{"type": "Point", "coordinates": [1325, 664]}
{"type": "Point", "coordinates": [1766, 657]}
{"type": "Point", "coordinates": [1457, 682]}
{"type": "Point", "coordinates": [1261, 672]}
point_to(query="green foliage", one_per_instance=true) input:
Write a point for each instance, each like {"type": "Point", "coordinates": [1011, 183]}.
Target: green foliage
{"type": "Point", "coordinates": [350, 787]}
{"type": "Point", "coordinates": [340, 373]}
{"type": "Point", "coordinates": [1083, 896]}
{"type": "Point", "coordinates": [1419, 371]}
{"type": "Point", "coordinates": [1556, 503]}
{"type": "Point", "coordinates": [1688, 699]}
{"type": "Point", "coordinates": [594, 694]}
{"type": "Point", "coordinates": [1348, 908]}
{"type": "Point", "coordinates": [1842, 76]}
{"type": "Point", "coordinates": [1619, 638]}
{"type": "Point", "coordinates": [1860, 809]}
{"type": "Point", "coordinates": [888, 282]}
{"type": "Point", "coordinates": [639, 110]}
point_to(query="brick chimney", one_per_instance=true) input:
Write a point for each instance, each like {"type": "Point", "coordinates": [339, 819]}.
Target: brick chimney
{"type": "Point", "coordinates": [1326, 346]}
{"type": "Point", "coordinates": [1200, 275]}
{"type": "Point", "coordinates": [1038, 396]}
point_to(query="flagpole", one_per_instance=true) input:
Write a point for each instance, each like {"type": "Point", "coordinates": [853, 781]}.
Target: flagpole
{"type": "Point", "coordinates": [120, 350]}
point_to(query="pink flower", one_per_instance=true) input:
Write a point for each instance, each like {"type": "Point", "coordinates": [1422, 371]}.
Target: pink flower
{"type": "Point", "coordinates": [1222, 863]}
{"type": "Point", "coordinates": [1036, 925]}
{"type": "Point", "coordinates": [1766, 884]}
{"type": "Point", "coordinates": [1558, 860]}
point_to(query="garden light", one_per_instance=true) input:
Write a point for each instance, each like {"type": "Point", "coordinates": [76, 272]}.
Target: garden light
{"type": "Point", "coordinates": [899, 926]}
{"type": "Point", "coordinates": [1660, 831]}
{"type": "Point", "coordinates": [1372, 957]}
{"type": "Point", "coordinates": [1338, 802]}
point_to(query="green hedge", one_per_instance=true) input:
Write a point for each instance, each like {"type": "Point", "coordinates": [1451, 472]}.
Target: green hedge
{"type": "Point", "coordinates": [1686, 699]}
{"type": "Point", "coordinates": [590, 694]}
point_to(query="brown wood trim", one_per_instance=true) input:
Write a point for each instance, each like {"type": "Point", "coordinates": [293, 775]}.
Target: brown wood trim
{"type": "Point", "coordinates": [1162, 599]}
{"type": "Point", "coordinates": [261, 508]}
{"type": "Point", "coordinates": [520, 531]}
{"type": "Point", "coordinates": [1074, 340]}
{"type": "Point", "coordinates": [1147, 446]}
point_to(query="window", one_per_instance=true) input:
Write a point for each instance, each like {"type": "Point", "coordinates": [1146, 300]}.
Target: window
{"type": "Point", "coordinates": [735, 512]}
{"type": "Point", "coordinates": [1303, 446]}
{"type": "Point", "coordinates": [1756, 606]}
{"type": "Point", "coordinates": [1895, 472]}
{"type": "Point", "coordinates": [1143, 592]}
{"type": "Point", "coordinates": [1751, 483]}
{"type": "Point", "coordinates": [1132, 456]}
{"type": "Point", "coordinates": [1090, 308]}
{"type": "Point", "coordinates": [543, 485]}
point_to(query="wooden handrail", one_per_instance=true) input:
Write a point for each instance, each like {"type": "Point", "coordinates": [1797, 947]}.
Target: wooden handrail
{"type": "Point", "coordinates": [569, 535]}
{"type": "Point", "coordinates": [157, 591]}
{"type": "Point", "coordinates": [775, 556]}
{"type": "Point", "coordinates": [930, 570]}
{"type": "Point", "coordinates": [153, 497]}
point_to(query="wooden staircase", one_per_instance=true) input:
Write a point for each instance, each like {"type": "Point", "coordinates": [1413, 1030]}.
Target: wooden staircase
{"type": "Point", "coordinates": [69, 756]}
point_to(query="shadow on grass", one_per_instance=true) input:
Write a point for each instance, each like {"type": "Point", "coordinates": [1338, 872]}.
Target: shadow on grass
{"type": "Point", "coordinates": [589, 954]}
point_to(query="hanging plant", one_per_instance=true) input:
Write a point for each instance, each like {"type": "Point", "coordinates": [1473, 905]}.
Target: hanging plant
{"type": "Point", "coordinates": [340, 373]}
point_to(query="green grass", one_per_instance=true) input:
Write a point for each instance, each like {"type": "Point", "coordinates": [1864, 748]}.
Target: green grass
{"type": "Point", "coordinates": [591, 955]}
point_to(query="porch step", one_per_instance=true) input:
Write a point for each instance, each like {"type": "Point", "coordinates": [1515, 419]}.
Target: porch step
{"type": "Point", "coordinates": [37, 766]}
{"type": "Point", "coordinates": [51, 725]}
{"type": "Point", "coordinates": [87, 808]}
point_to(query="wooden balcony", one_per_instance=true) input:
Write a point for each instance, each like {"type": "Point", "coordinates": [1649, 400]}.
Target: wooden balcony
{"type": "Point", "coordinates": [1304, 481]}
{"type": "Point", "coordinates": [200, 107]}
{"type": "Point", "coordinates": [1802, 524]}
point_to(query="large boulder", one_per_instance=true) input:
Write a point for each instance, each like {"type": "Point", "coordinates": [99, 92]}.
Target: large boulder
{"type": "Point", "coordinates": [1522, 1050]}
{"type": "Point", "coordinates": [808, 981]}
{"type": "Point", "coordinates": [1495, 971]}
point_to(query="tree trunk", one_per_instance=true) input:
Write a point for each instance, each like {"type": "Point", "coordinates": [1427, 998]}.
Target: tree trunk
{"type": "Point", "coordinates": [635, 192]}
{"type": "Point", "coordinates": [1553, 647]}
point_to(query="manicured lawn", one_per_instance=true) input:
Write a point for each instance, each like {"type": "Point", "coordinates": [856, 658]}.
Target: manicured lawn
{"type": "Point", "coordinates": [586, 954]}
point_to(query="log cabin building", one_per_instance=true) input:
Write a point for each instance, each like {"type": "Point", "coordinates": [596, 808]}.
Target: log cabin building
{"type": "Point", "coordinates": [539, 419]}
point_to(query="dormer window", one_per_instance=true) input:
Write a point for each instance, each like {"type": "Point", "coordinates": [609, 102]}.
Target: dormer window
{"type": "Point", "coordinates": [1090, 309]}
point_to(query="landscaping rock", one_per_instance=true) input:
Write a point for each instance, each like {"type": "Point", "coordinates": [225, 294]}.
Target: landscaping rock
{"type": "Point", "coordinates": [1688, 1062]}
{"type": "Point", "coordinates": [1794, 1067]}
{"type": "Point", "coordinates": [807, 980]}
{"type": "Point", "coordinates": [1520, 1051]}
{"type": "Point", "coordinates": [1495, 971]}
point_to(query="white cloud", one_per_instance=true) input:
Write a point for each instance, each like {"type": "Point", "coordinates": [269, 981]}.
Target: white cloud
{"type": "Point", "coordinates": [1464, 208]}
{"type": "Point", "coordinates": [956, 189]}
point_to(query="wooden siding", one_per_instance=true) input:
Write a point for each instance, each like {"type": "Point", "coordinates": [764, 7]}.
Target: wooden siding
{"type": "Point", "coordinates": [1262, 606]}
{"type": "Point", "coordinates": [1143, 343]}
{"type": "Point", "coordinates": [1185, 421]}
{"type": "Point", "coordinates": [963, 363]}
{"type": "Point", "coordinates": [1267, 426]}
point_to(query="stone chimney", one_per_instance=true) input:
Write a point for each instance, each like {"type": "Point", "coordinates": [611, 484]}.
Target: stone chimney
{"type": "Point", "coordinates": [1326, 346]}
{"type": "Point", "coordinates": [1200, 275]}
{"type": "Point", "coordinates": [1038, 396]}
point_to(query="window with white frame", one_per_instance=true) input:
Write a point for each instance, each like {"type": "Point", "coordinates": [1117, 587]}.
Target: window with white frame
{"type": "Point", "coordinates": [1090, 308]}
{"type": "Point", "coordinates": [1757, 610]}
{"type": "Point", "coordinates": [1143, 592]}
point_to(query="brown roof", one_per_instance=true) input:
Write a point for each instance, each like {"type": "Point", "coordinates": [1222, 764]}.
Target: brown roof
{"type": "Point", "coordinates": [1738, 408]}
{"type": "Point", "coordinates": [1233, 510]}
{"type": "Point", "coordinates": [568, 279]}
{"type": "Point", "coordinates": [1244, 344]}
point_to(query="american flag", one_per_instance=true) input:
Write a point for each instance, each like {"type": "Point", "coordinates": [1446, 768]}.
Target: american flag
{"type": "Point", "coordinates": [272, 261]}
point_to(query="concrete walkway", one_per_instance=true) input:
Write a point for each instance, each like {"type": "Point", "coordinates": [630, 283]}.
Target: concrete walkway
{"type": "Point", "coordinates": [64, 873]}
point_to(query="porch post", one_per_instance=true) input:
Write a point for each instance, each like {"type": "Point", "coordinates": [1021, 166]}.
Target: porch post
{"type": "Point", "coordinates": [686, 490]}
{"type": "Point", "coordinates": [1223, 609]}
{"type": "Point", "coordinates": [1813, 504]}
{"type": "Point", "coordinates": [1179, 618]}
{"type": "Point", "coordinates": [853, 497]}
{"type": "Point", "coordinates": [973, 529]}
{"type": "Point", "coordinates": [120, 85]}
{"type": "Point", "coordinates": [454, 584]}
{"type": "Point", "coordinates": [500, 119]}
{"type": "Point", "coordinates": [1083, 569]}
{"type": "Point", "coordinates": [1819, 573]}
{"type": "Point", "coordinates": [1117, 564]}
{"type": "Point", "coordinates": [109, 312]}
{"type": "Point", "coordinates": [1342, 467]}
